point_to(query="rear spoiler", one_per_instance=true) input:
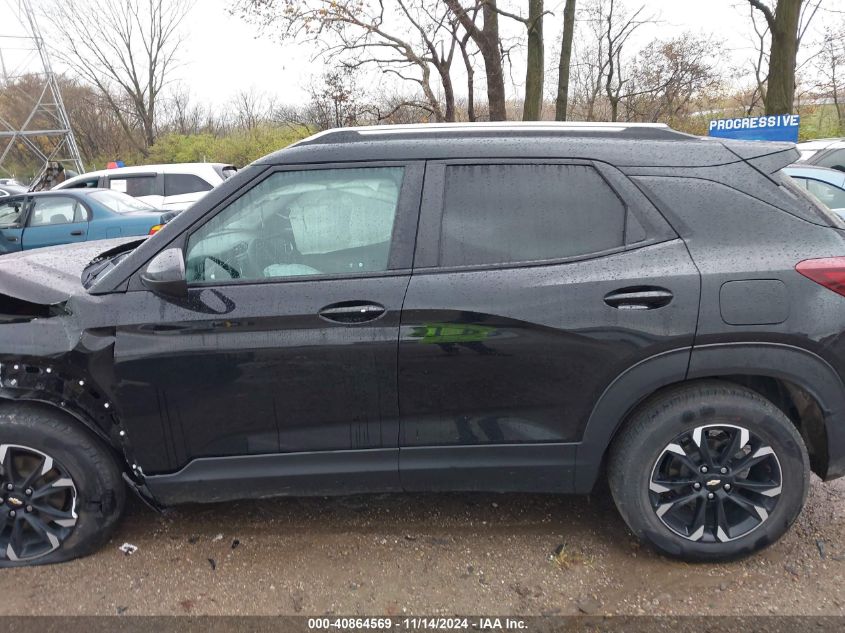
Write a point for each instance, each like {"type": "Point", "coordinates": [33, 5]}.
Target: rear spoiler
{"type": "Point", "coordinates": [765, 156]}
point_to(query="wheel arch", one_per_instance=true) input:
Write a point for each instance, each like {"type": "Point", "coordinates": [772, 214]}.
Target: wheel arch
{"type": "Point", "coordinates": [78, 416]}
{"type": "Point", "coordinates": [798, 381]}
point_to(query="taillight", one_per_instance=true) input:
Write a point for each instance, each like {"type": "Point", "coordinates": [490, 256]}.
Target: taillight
{"type": "Point", "coordinates": [827, 271]}
{"type": "Point", "coordinates": [156, 229]}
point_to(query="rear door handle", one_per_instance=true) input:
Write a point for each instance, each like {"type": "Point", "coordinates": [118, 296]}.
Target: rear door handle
{"type": "Point", "coordinates": [352, 312]}
{"type": "Point", "coordinates": [78, 232]}
{"type": "Point", "coordinates": [11, 238]}
{"type": "Point", "coordinates": [639, 298]}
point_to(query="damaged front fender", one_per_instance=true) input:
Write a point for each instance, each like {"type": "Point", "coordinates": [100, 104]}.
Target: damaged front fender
{"type": "Point", "coordinates": [70, 371]}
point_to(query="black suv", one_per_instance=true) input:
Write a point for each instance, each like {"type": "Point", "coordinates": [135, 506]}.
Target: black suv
{"type": "Point", "coordinates": [465, 307]}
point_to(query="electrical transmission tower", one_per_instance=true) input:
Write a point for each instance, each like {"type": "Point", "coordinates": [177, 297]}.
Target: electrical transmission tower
{"type": "Point", "coordinates": [38, 131]}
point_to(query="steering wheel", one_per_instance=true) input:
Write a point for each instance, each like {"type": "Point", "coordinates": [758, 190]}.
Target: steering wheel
{"type": "Point", "coordinates": [233, 272]}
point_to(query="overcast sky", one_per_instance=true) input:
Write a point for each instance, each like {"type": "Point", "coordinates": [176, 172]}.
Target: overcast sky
{"type": "Point", "coordinates": [222, 54]}
{"type": "Point", "coordinates": [217, 67]}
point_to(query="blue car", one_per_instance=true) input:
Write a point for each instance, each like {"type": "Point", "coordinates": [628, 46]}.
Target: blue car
{"type": "Point", "coordinates": [36, 220]}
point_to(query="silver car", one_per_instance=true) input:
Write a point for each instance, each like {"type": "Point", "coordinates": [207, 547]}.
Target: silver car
{"type": "Point", "coordinates": [826, 152]}
{"type": "Point", "coordinates": [828, 185]}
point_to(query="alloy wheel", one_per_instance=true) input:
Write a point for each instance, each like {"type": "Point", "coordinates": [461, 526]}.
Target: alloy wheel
{"type": "Point", "coordinates": [715, 483]}
{"type": "Point", "coordinates": [37, 503]}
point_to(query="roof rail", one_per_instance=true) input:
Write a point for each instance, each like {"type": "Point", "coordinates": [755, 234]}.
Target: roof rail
{"type": "Point", "coordinates": [583, 127]}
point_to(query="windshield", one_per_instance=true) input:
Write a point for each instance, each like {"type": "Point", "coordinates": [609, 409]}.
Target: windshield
{"type": "Point", "coordinates": [120, 202]}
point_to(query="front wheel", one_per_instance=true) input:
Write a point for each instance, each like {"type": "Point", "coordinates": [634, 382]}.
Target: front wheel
{"type": "Point", "coordinates": [61, 492]}
{"type": "Point", "coordinates": [708, 472]}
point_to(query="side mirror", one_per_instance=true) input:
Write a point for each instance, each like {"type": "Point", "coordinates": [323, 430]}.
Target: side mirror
{"type": "Point", "coordinates": [165, 274]}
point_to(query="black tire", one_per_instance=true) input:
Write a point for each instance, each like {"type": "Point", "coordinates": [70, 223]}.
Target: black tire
{"type": "Point", "coordinates": [643, 451]}
{"type": "Point", "coordinates": [30, 431]}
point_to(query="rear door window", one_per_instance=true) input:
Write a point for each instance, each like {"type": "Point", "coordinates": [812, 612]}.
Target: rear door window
{"type": "Point", "coordinates": [56, 210]}
{"type": "Point", "coordinates": [135, 186]}
{"type": "Point", "coordinates": [499, 214]}
{"type": "Point", "coordinates": [179, 184]}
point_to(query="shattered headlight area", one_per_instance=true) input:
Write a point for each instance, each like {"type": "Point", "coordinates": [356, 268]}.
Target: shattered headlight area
{"type": "Point", "coordinates": [14, 310]}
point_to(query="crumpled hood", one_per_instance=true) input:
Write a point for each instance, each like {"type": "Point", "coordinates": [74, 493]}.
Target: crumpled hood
{"type": "Point", "coordinates": [50, 275]}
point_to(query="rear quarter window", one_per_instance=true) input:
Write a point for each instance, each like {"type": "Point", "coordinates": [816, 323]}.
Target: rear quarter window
{"type": "Point", "coordinates": [179, 184]}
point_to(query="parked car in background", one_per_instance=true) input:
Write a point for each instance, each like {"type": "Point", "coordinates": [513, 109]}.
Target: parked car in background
{"type": "Point", "coordinates": [35, 220]}
{"type": "Point", "coordinates": [828, 185]}
{"type": "Point", "coordinates": [11, 190]}
{"type": "Point", "coordinates": [171, 187]}
{"type": "Point", "coordinates": [826, 152]}
{"type": "Point", "coordinates": [483, 307]}
{"type": "Point", "coordinates": [10, 181]}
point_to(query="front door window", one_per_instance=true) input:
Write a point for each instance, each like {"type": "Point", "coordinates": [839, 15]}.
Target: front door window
{"type": "Point", "coordinates": [294, 223]}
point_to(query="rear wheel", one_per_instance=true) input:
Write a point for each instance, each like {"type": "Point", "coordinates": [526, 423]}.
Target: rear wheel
{"type": "Point", "coordinates": [709, 471]}
{"type": "Point", "coordinates": [61, 492]}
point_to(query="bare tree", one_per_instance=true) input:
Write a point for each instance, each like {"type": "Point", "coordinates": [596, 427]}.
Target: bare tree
{"type": "Point", "coordinates": [251, 108]}
{"type": "Point", "coordinates": [759, 64]}
{"type": "Point", "coordinates": [486, 38]}
{"type": "Point", "coordinates": [672, 78]}
{"type": "Point", "coordinates": [618, 28]}
{"type": "Point", "coordinates": [469, 68]}
{"type": "Point", "coordinates": [534, 66]}
{"type": "Point", "coordinates": [787, 22]}
{"type": "Point", "coordinates": [590, 64]}
{"type": "Point", "coordinates": [831, 68]}
{"type": "Point", "coordinates": [562, 103]}
{"type": "Point", "coordinates": [178, 114]}
{"type": "Point", "coordinates": [126, 50]}
{"type": "Point", "coordinates": [414, 41]}
{"type": "Point", "coordinates": [335, 100]}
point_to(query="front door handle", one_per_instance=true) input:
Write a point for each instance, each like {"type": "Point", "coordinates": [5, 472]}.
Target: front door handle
{"type": "Point", "coordinates": [11, 238]}
{"type": "Point", "coordinates": [352, 312]}
{"type": "Point", "coordinates": [78, 232]}
{"type": "Point", "coordinates": [639, 298]}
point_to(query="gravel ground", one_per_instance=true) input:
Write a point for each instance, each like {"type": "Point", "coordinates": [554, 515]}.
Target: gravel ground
{"type": "Point", "coordinates": [429, 554]}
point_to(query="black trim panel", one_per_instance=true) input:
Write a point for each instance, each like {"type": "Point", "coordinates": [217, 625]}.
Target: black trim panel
{"type": "Point", "coordinates": [494, 468]}
{"type": "Point", "coordinates": [489, 468]}
{"type": "Point", "coordinates": [213, 479]}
